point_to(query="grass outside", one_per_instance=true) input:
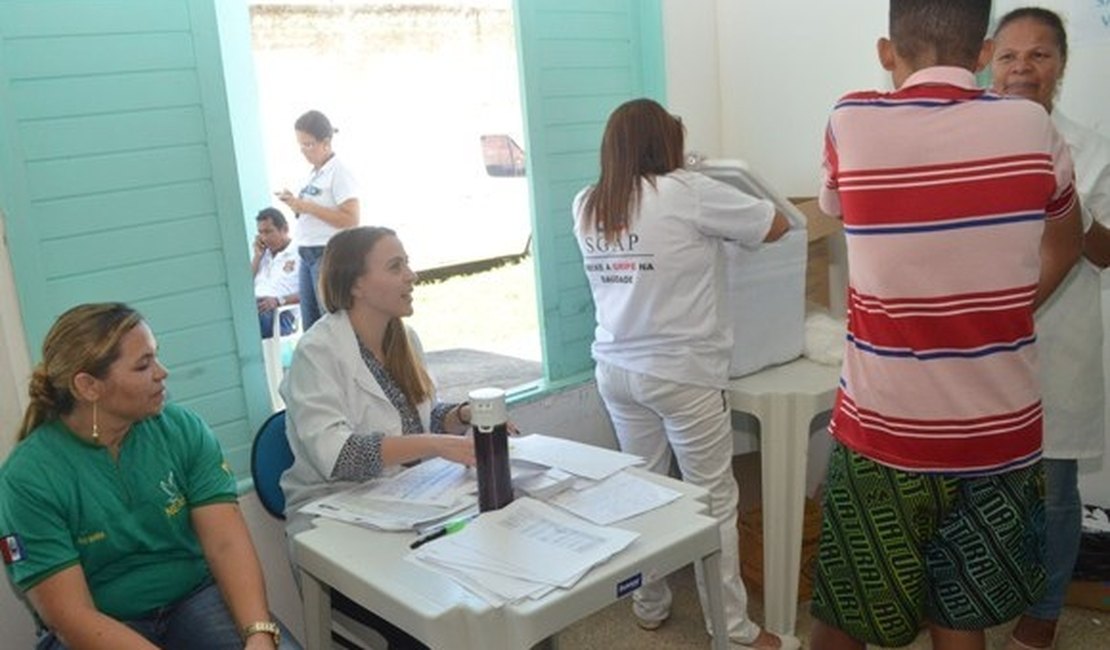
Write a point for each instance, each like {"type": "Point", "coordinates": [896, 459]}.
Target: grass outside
{"type": "Point", "coordinates": [494, 311]}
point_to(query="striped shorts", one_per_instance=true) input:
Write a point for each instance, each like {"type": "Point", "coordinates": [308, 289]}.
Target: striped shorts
{"type": "Point", "coordinates": [900, 548]}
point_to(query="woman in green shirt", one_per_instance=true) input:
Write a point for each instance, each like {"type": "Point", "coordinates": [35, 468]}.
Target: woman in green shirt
{"type": "Point", "coordinates": [118, 514]}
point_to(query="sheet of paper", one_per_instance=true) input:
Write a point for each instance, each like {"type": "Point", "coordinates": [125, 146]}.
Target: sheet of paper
{"type": "Point", "coordinates": [357, 506]}
{"type": "Point", "coordinates": [570, 456]}
{"type": "Point", "coordinates": [618, 497]}
{"type": "Point", "coordinates": [435, 481]}
{"type": "Point", "coordinates": [536, 541]}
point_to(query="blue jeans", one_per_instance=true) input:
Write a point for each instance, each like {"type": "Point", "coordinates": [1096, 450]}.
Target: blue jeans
{"type": "Point", "coordinates": [1064, 521]}
{"type": "Point", "coordinates": [266, 323]}
{"type": "Point", "coordinates": [199, 620]}
{"type": "Point", "coordinates": [309, 278]}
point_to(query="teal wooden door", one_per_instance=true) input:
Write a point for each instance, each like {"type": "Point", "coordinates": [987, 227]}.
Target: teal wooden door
{"type": "Point", "coordinates": [579, 59]}
{"type": "Point", "coordinates": [120, 180]}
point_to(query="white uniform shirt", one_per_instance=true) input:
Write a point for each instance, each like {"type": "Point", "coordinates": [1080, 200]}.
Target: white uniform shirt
{"type": "Point", "coordinates": [660, 291]}
{"type": "Point", "coordinates": [328, 186]}
{"type": "Point", "coordinates": [277, 274]}
{"type": "Point", "coordinates": [1069, 324]}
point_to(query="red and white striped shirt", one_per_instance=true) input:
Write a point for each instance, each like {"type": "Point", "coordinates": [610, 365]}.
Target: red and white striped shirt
{"type": "Point", "coordinates": [944, 189]}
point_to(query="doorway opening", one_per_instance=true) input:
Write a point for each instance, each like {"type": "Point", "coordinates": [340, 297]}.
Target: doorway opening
{"type": "Point", "coordinates": [426, 100]}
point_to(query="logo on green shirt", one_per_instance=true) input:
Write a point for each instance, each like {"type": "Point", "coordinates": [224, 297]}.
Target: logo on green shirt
{"type": "Point", "coordinates": [175, 500]}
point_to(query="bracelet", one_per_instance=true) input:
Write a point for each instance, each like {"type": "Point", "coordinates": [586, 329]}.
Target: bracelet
{"type": "Point", "coordinates": [263, 627]}
{"type": "Point", "coordinates": [458, 413]}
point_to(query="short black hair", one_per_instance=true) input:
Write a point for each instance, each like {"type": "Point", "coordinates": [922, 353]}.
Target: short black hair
{"type": "Point", "coordinates": [315, 124]}
{"type": "Point", "coordinates": [1046, 17]}
{"type": "Point", "coordinates": [275, 216]}
{"type": "Point", "coordinates": [939, 32]}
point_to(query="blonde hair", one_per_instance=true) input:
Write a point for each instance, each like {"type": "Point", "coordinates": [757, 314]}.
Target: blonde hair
{"type": "Point", "coordinates": [84, 339]}
{"type": "Point", "coordinates": [344, 262]}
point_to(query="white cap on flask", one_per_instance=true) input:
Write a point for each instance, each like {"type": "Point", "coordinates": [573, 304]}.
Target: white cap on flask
{"type": "Point", "coordinates": [487, 407]}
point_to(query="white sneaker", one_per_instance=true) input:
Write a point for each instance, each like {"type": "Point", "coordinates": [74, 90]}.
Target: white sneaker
{"type": "Point", "coordinates": [651, 624]}
{"type": "Point", "coordinates": [785, 642]}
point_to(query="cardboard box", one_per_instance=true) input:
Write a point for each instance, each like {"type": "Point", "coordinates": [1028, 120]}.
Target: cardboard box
{"type": "Point", "coordinates": [1092, 595]}
{"type": "Point", "coordinates": [822, 274]}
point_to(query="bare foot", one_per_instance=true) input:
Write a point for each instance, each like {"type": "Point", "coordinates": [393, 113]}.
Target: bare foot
{"type": "Point", "coordinates": [1035, 632]}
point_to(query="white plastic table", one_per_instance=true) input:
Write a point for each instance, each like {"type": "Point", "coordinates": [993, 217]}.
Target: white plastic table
{"type": "Point", "coordinates": [784, 399]}
{"type": "Point", "coordinates": [368, 567]}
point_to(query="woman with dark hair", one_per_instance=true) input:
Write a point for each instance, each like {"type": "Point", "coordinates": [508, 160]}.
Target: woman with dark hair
{"type": "Point", "coordinates": [1031, 52]}
{"type": "Point", "coordinates": [118, 513]}
{"type": "Point", "coordinates": [652, 236]}
{"type": "Point", "coordinates": [326, 204]}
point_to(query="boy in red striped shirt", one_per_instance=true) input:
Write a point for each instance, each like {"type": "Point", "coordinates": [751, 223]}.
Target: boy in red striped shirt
{"type": "Point", "coordinates": [960, 217]}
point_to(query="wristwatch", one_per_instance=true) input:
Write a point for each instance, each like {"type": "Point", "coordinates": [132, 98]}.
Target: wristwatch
{"type": "Point", "coordinates": [260, 627]}
{"type": "Point", "coordinates": [281, 301]}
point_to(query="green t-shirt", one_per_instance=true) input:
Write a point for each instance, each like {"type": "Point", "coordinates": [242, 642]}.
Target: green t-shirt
{"type": "Point", "coordinates": [64, 501]}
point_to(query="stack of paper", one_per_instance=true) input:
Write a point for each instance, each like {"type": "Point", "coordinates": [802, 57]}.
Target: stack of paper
{"type": "Point", "coordinates": [525, 550]}
{"type": "Point", "coordinates": [419, 496]}
{"type": "Point", "coordinates": [537, 481]}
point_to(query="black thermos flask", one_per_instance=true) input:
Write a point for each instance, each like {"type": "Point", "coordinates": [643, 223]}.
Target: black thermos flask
{"type": "Point", "coordinates": [488, 416]}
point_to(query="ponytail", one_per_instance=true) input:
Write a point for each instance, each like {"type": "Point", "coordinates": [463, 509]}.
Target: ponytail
{"type": "Point", "coordinates": [85, 339]}
{"type": "Point", "coordinates": [43, 404]}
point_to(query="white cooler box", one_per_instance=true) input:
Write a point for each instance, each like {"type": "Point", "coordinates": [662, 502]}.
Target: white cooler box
{"type": "Point", "coordinates": [766, 287]}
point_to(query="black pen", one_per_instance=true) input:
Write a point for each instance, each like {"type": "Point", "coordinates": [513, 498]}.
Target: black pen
{"type": "Point", "coordinates": [444, 530]}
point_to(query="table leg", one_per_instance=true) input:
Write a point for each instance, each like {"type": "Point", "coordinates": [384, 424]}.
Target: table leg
{"type": "Point", "coordinates": [710, 565]}
{"type": "Point", "coordinates": [784, 441]}
{"type": "Point", "coordinates": [317, 612]}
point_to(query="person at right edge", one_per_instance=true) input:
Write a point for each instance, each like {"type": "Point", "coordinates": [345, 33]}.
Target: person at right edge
{"type": "Point", "coordinates": [1030, 52]}
{"type": "Point", "coordinates": [961, 218]}
{"type": "Point", "coordinates": [652, 236]}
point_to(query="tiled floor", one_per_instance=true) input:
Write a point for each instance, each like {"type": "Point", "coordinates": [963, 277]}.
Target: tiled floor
{"type": "Point", "coordinates": [614, 628]}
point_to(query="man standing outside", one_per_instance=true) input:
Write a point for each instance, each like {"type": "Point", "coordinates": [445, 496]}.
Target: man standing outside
{"type": "Point", "coordinates": [274, 267]}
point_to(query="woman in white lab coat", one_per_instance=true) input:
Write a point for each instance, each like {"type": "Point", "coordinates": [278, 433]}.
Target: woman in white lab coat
{"type": "Point", "coordinates": [1031, 50]}
{"type": "Point", "coordinates": [360, 403]}
{"type": "Point", "coordinates": [652, 236]}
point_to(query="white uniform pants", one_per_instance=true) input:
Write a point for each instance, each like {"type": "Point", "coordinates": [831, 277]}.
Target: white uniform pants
{"type": "Point", "coordinates": [653, 417]}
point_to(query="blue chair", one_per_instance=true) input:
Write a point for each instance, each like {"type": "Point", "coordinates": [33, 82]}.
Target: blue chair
{"type": "Point", "coordinates": [270, 456]}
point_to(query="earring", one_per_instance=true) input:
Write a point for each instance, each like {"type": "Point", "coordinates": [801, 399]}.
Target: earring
{"type": "Point", "coordinates": [96, 426]}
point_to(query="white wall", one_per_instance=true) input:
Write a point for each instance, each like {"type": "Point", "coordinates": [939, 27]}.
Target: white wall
{"type": "Point", "coordinates": [755, 80]}
{"type": "Point", "coordinates": [576, 413]}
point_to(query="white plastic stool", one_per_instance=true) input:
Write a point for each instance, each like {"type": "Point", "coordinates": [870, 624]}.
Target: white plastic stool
{"type": "Point", "coordinates": [784, 399]}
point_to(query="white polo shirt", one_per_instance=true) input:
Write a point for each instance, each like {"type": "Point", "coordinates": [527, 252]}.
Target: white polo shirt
{"type": "Point", "coordinates": [277, 274]}
{"type": "Point", "coordinates": [660, 291]}
{"type": "Point", "coordinates": [328, 186]}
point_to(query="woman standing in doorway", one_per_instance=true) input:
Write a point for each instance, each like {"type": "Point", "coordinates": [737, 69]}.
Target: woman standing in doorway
{"type": "Point", "coordinates": [1031, 51]}
{"type": "Point", "coordinates": [326, 204]}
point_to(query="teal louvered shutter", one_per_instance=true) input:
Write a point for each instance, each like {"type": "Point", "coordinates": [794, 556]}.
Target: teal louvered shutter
{"type": "Point", "coordinates": [120, 180]}
{"type": "Point", "coordinates": [579, 60]}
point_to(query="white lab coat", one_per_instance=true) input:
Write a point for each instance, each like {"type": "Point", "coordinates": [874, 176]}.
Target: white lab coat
{"type": "Point", "coordinates": [1069, 323]}
{"type": "Point", "coordinates": [329, 394]}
